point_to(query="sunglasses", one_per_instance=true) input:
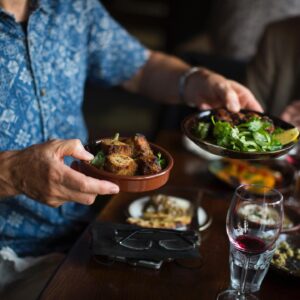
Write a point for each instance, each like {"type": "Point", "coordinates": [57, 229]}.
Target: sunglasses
{"type": "Point", "coordinates": [145, 239]}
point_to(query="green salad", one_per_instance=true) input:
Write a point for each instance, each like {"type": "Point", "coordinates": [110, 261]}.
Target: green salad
{"type": "Point", "coordinates": [254, 135]}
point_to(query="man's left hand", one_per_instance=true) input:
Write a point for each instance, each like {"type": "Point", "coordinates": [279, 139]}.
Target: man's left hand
{"type": "Point", "coordinates": [208, 89]}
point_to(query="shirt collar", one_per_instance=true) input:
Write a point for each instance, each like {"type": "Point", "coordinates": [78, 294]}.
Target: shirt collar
{"type": "Point", "coordinates": [45, 5]}
{"type": "Point", "coordinates": [4, 13]}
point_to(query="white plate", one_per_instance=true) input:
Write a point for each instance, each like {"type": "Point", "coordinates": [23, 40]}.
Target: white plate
{"type": "Point", "coordinates": [135, 209]}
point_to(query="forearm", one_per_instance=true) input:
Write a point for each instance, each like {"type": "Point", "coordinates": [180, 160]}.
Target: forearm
{"type": "Point", "coordinates": [167, 79]}
{"type": "Point", "coordinates": [8, 162]}
{"type": "Point", "coordinates": [159, 78]}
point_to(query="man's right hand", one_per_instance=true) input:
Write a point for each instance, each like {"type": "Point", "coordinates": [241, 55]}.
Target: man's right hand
{"type": "Point", "coordinates": [40, 173]}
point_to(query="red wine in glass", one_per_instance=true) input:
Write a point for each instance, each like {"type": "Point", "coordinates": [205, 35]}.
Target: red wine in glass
{"type": "Point", "coordinates": [253, 224]}
{"type": "Point", "coordinates": [250, 244]}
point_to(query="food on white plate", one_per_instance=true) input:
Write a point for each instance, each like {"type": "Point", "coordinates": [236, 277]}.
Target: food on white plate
{"type": "Point", "coordinates": [163, 211]}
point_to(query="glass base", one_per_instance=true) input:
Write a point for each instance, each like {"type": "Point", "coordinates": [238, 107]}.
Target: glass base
{"type": "Point", "coordinates": [235, 295]}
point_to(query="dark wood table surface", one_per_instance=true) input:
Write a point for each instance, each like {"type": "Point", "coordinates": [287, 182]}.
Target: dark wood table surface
{"type": "Point", "coordinates": [81, 277]}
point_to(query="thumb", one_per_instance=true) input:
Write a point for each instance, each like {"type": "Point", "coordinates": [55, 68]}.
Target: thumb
{"type": "Point", "coordinates": [75, 149]}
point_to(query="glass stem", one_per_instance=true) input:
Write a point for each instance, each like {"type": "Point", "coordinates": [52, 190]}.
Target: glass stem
{"type": "Point", "coordinates": [244, 274]}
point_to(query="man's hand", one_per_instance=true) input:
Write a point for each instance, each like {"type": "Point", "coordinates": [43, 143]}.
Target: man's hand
{"type": "Point", "coordinates": [159, 79]}
{"type": "Point", "coordinates": [40, 173]}
{"type": "Point", "coordinates": [208, 89]}
{"type": "Point", "coordinates": [292, 114]}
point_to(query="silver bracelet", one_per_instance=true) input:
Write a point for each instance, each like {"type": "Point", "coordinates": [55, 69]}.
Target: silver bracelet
{"type": "Point", "coordinates": [182, 83]}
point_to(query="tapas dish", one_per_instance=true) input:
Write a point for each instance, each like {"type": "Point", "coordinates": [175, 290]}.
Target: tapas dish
{"type": "Point", "coordinates": [243, 135]}
{"type": "Point", "coordinates": [165, 211]}
{"type": "Point", "coordinates": [161, 211]}
{"type": "Point", "coordinates": [132, 163]}
{"type": "Point", "coordinates": [286, 259]}
{"type": "Point", "coordinates": [276, 174]}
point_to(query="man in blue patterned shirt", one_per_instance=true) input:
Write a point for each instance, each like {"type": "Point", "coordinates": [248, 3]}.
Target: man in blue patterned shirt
{"type": "Point", "coordinates": [48, 50]}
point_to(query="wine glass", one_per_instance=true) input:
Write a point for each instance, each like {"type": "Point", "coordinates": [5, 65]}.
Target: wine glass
{"type": "Point", "coordinates": [253, 224]}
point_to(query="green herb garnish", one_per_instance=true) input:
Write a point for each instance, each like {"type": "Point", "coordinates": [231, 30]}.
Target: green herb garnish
{"type": "Point", "coordinates": [247, 137]}
{"type": "Point", "coordinates": [116, 137]}
{"type": "Point", "coordinates": [201, 130]}
{"type": "Point", "coordinates": [99, 160]}
{"type": "Point", "coordinates": [162, 161]}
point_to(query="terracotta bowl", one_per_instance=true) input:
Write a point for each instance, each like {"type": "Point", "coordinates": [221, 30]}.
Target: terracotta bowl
{"type": "Point", "coordinates": [139, 183]}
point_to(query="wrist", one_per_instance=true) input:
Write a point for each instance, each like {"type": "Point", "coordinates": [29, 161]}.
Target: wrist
{"type": "Point", "coordinates": [187, 94]}
{"type": "Point", "coordinates": [8, 163]}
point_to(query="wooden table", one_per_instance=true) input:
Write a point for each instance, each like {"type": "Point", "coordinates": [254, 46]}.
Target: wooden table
{"type": "Point", "coordinates": [80, 277]}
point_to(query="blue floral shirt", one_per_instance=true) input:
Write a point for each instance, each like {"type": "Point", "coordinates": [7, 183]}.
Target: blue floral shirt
{"type": "Point", "coordinates": [42, 76]}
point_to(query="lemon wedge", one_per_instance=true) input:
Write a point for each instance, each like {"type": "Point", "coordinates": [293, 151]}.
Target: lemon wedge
{"type": "Point", "coordinates": [287, 136]}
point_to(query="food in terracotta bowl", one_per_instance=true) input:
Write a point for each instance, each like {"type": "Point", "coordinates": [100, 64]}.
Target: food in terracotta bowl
{"type": "Point", "coordinates": [132, 163]}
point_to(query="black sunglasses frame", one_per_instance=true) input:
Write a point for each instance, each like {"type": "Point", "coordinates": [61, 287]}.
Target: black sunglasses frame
{"type": "Point", "coordinates": [191, 238]}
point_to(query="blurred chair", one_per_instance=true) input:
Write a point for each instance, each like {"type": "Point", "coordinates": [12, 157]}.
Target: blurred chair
{"type": "Point", "coordinates": [274, 73]}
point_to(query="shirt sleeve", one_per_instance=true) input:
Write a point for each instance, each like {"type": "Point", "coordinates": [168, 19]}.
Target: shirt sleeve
{"type": "Point", "coordinates": [114, 56]}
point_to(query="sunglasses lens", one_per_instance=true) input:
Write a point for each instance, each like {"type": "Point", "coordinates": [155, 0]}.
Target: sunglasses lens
{"type": "Point", "coordinates": [136, 244]}
{"type": "Point", "coordinates": [176, 245]}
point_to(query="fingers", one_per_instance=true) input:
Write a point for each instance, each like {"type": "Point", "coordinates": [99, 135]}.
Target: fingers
{"type": "Point", "coordinates": [226, 95]}
{"type": "Point", "coordinates": [73, 148]}
{"type": "Point", "coordinates": [82, 198]}
{"type": "Point", "coordinates": [286, 115]}
{"type": "Point", "coordinates": [77, 182]}
{"type": "Point", "coordinates": [246, 98]}
{"type": "Point", "coordinates": [74, 186]}
{"type": "Point", "coordinates": [205, 106]}
{"type": "Point", "coordinates": [218, 91]}
{"type": "Point", "coordinates": [42, 175]}
{"type": "Point", "coordinates": [80, 182]}
{"type": "Point", "coordinates": [232, 101]}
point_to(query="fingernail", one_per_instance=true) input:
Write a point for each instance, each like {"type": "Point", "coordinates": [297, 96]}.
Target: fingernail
{"type": "Point", "coordinates": [114, 189]}
{"type": "Point", "coordinates": [233, 104]}
{"type": "Point", "coordinates": [232, 107]}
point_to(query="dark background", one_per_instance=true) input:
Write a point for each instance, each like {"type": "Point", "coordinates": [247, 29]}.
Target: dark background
{"type": "Point", "coordinates": [174, 26]}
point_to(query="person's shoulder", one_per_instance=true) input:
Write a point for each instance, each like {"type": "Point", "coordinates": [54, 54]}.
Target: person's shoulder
{"type": "Point", "coordinates": [285, 26]}
{"type": "Point", "coordinates": [282, 37]}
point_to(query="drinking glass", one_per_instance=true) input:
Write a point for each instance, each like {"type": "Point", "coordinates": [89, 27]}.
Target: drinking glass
{"type": "Point", "coordinates": [293, 156]}
{"type": "Point", "coordinates": [253, 224]}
